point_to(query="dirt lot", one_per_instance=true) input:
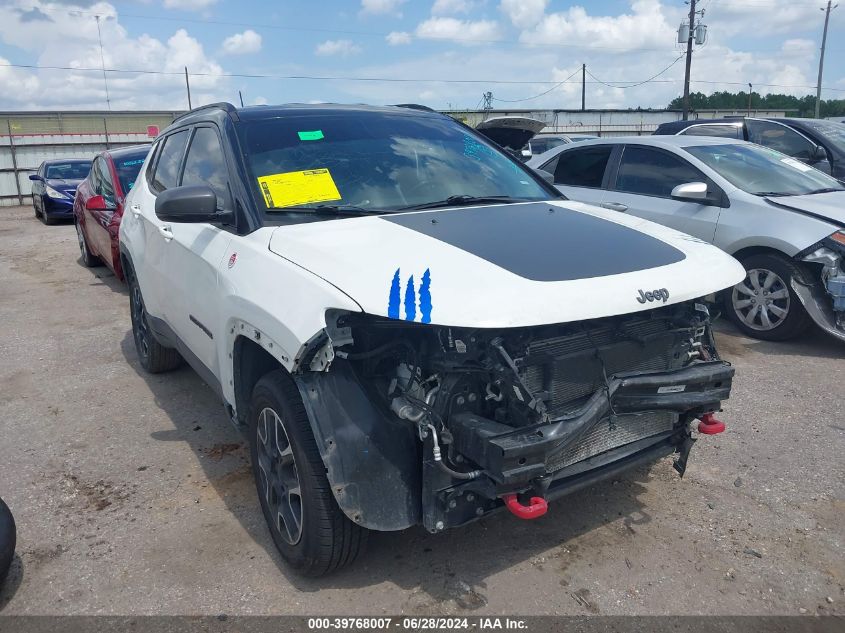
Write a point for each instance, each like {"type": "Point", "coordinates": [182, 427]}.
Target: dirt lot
{"type": "Point", "coordinates": [133, 493]}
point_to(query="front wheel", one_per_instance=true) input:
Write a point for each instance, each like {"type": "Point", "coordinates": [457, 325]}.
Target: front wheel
{"type": "Point", "coordinates": [764, 305]}
{"type": "Point", "coordinates": [309, 529]}
{"type": "Point", "coordinates": [7, 540]}
{"type": "Point", "coordinates": [154, 356]}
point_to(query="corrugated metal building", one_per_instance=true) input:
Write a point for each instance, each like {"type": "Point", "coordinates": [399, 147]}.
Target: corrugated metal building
{"type": "Point", "coordinates": [28, 138]}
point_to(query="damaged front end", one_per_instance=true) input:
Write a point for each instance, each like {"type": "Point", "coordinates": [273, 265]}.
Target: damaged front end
{"type": "Point", "coordinates": [438, 425]}
{"type": "Point", "coordinates": [823, 294]}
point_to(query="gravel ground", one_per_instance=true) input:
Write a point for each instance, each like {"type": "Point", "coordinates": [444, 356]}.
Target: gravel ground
{"type": "Point", "coordinates": [133, 493]}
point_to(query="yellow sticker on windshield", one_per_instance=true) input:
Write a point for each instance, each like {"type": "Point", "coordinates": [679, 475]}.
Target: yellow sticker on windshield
{"type": "Point", "coordinates": [295, 188]}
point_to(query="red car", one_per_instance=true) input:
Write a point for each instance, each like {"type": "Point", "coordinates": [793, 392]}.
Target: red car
{"type": "Point", "coordinates": [98, 206]}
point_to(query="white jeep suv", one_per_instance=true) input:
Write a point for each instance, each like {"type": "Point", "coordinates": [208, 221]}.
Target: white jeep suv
{"type": "Point", "coordinates": [410, 325]}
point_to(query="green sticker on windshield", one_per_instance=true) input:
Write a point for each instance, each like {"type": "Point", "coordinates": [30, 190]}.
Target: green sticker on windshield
{"type": "Point", "coordinates": [311, 135]}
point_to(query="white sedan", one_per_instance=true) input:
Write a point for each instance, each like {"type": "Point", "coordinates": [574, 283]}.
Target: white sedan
{"type": "Point", "coordinates": [782, 219]}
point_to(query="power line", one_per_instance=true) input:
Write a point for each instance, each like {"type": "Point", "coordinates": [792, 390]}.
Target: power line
{"type": "Point", "coordinates": [640, 83]}
{"type": "Point", "coordinates": [181, 73]}
{"type": "Point", "coordinates": [557, 85]}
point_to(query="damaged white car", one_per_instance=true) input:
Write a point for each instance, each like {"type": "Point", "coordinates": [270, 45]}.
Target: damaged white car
{"type": "Point", "coordinates": [411, 326]}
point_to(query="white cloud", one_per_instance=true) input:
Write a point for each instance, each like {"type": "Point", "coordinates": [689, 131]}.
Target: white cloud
{"type": "Point", "coordinates": [343, 48]}
{"type": "Point", "coordinates": [463, 31]}
{"type": "Point", "coordinates": [68, 37]}
{"type": "Point", "coordinates": [397, 38]}
{"type": "Point", "coordinates": [382, 7]}
{"type": "Point", "coordinates": [242, 43]}
{"type": "Point", "coordinates": [524, 13]}
{"type": "Point", "coordinates": [260, 101]}
{"type": "Point", "coordinates": [188, 5]}
{"type": "Point", "coordinates": [645, 26]}
{"type": "Point", "coordinates": [452, 7]}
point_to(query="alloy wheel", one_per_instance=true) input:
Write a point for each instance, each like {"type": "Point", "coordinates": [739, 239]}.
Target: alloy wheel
{"type": "Point", "coordinates": [278, 476]}
{"type": "Point", "coordinates": [761, 300]}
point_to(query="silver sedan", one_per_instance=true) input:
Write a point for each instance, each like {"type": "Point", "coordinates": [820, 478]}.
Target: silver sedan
{"type": "Point", "coordinates": [784, 220]}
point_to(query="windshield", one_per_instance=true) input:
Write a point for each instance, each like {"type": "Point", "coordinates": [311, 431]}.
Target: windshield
{"type": "Point", "coordinates": [77, 170]}
{"type": "Point", "coordinates": [376, 161]}
{"type": "Point", "coordinates": [127, 167]}
{"type": "Point", "coordinates": [832, 132]}
{"type": "Point", "coordinates": [763, 171]}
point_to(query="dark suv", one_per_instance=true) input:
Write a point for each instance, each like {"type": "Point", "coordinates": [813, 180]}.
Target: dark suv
{"type": "Point", "coordinates": [817, 142]}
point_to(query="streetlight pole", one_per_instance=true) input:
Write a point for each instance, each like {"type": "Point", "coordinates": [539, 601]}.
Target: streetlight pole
{"type": "Point", "coordinates": [821, 57]}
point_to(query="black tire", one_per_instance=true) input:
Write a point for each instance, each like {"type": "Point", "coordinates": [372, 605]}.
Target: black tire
{"type": "Point", "coordinates": [37, 212]}
{"type": "Point", "coordinates": [155, 357]}
{"type": "Point", "coordinates": [7, 540]}
{"type": "Point", "coordinates": [46, 219]}
{"type": "Point", "coordinates": [89, 260]}
{"type": "Point", "coordinates": [327, 539]}
{"type": "Point", "coordinates": [792, 318]}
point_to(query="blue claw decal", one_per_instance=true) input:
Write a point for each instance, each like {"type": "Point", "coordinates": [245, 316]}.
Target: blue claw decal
{"type": "Point", "coordinates": [410, 300]}
{"type": "Point", "coordinates": [394, 299]}
{"type": "Point", "coordinates": [425, 297]}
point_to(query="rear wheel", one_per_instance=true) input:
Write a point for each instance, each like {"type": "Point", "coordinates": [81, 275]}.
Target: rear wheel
{"type": "Point", "coordinates": [154, 356]}
{"type": "Point", "coordinates": [764, 305]}
{"type": "Point", "coordinates": [89, 260]}
{"type": "Point", "coordinates": [309, 529]}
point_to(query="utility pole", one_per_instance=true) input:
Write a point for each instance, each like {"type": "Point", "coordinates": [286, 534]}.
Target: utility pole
{"type": "Point", "coordinates": [583, 86]}
{"type": "Point", "coordinates": [821, 57]}
{"type": "Point", "coordinates": [689, 57]}
{"type": "Point", "coordinates": [188, 86]}
{"type": "Point", "coordinates": [488, 103]}
{"type": "Point", "coordinates": [750, 89]}
{"type": "Point", "coordinates": [103, 62]}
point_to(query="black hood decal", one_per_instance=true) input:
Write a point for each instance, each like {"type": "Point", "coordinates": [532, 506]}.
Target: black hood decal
{"type": "Point", "coordinates": [542, 242]}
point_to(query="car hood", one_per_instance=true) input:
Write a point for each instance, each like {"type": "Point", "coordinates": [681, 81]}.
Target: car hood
{"type": "Point", "coordinates": [62, 184]}
{"type": "Point", "coordinates": [507, 265]}
{"type": "Point", "coordinates": [510, 132]}
{"type": "Point", "coordinates": [826, 206]}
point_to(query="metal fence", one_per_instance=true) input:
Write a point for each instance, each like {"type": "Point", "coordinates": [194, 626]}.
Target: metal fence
{"type": "Point", "coordinates": [29, 138]}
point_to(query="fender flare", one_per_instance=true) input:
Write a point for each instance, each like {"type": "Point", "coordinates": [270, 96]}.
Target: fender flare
{"type": "Point", "coordinates": [373, 460]}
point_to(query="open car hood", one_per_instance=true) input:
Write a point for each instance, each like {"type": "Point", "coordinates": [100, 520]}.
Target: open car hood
{"type": "Point", "coordinates": [510, 132]}
{"type": "Point", "coordinates": [507, 265]}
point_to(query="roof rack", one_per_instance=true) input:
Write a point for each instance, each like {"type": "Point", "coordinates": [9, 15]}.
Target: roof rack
{"type": "Point", "coordinates": [222, 105]}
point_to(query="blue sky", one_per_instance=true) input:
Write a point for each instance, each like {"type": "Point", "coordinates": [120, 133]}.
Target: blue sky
{"type": "Point", "coordinates": [516, 49]}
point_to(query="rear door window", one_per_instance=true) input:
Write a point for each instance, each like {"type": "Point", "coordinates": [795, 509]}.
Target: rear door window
{"type": "Point", "coordinates": [583, 167]}
{"type": "Point", "coordinates": [720, 130]}
{"type": "Point", "coordinates": [105, 186]}
{"type": "Point", "coordinates": [652, 172]}
{"type": "Point", "coordinates": [166, 174]}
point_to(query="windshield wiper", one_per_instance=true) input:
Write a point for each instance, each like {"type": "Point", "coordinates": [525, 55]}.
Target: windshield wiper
{"type": "Point", "coordinates": [462, 200]}
{"type": "Point", "coordinates": [330, 209]}
{"type": "Point", "coordinates": [773, 194]}
{"type": "Point", "coordinates": [824, 190]}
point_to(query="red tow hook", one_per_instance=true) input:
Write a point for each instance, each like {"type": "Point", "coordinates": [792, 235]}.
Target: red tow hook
{"type": "Point", "coordinates": [710, 425]}
{"type": "Point", "coordinates": [535, 510]}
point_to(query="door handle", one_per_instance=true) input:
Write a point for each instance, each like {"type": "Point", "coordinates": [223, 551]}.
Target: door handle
{"type": "Point", "coordinates": [615, 206]}
{"type": "Point", "coordinates": [135, 209]}
{"type": "Point", "coordinates": [166, 232]}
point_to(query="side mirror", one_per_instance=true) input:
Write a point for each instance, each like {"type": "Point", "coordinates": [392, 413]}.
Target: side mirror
{"type": "Point", "coordinates": [549, 178]}
{"type": "Point", "coordinates": [818, 155]}
{"type": "Point", "coordinates": [97, 203]}
{"type": "Point", "coordinates": [690, 191]}
{"type": "Point", "coordinates": [187, 204]}
{"type": "Point", "coordinates": [34, 177]}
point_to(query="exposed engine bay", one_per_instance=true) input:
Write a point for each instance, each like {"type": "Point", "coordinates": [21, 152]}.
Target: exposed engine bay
{"type": "Point", "coordinates": [518, 416]}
